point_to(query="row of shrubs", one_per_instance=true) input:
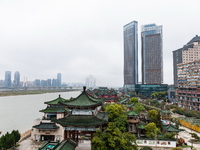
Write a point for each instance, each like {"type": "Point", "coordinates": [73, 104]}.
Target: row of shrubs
{"type": "Point", "coordinates": [9, 140]}
{"type": "Point", "coordinates": [184, 111]}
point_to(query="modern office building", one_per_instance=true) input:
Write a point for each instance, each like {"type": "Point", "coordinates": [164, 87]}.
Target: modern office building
{"type": "Point", "coordinates": [7, 82]}
{"type": "Point", "coordinates": [49, 82]}
{"type": "Point", "coordinates": [152, 54]}
{"type": "Point", "coordinates": [37, 82]}
{"type": "Point", "coordinates": [188, 93]}
{"type": "Point", "coordinates": [43, 83]}
{"type": "Point", "coordinates": [54, 82]}
{"type": "Point", "coordinates": [59, 79]}
{"type": "Point", "coordinates": [147, 89]}
{"type": "Point", "coordinates": [188, 53]}
{"type": "Point", "coordinates": [130, 54]}
{"type": "Point", "coordinates": [90, 82]}
{"type": "Point", "coordinates": [16, 82]}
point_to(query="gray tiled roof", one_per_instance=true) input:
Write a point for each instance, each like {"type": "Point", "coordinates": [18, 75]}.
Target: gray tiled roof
{"type": "Point", "coordinates": [194, 39]}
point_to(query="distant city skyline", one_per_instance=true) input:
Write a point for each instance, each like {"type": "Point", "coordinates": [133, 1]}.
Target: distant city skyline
{"type": "Point", "coordinates": [16, 81]}
{"type": "Point", "coordinates": [42, 38]}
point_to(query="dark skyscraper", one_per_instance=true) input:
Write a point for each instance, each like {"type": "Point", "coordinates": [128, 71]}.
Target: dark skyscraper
{"type": "Point", "coordinates": [59, 79]}
{"type": "Point", "coordinates": [16, 81]}
{"type": "Point", "coordinates": [152, 54]}
{"type": "Point", "coordinates": [7, 82]}
{"type": "Point", "coordinates": [130, 54]}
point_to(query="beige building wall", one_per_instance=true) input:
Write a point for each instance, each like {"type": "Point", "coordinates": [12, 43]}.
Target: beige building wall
{"type": "Point", "coordinates": [36, 133]}
{"type": "Point", "coordinates": [191, 54]}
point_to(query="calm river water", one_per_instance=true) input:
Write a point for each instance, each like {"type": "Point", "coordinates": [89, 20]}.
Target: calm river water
{"type": "Point", "coordinates": [19, 112]}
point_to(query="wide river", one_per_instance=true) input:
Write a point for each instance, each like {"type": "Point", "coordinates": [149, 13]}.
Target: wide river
{"type": "Point", "coordinates": [19, 112]}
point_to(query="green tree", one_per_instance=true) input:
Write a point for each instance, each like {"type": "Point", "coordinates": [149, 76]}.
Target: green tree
{"type": "Point", "coordinates": [151, 130]}
{"type": "Point", "coordinates": [115, 110]}
{"type": "Point", "coordinates": [113, 139]}
{"type": "Point", "coordinates": [169, 135]}
{"type": "Point", "coordinates": [138, 107]}
{"type": "Point", "coordinates": [133, 100]}
{"type": "Point", "coordinates": [176, 148]}
{"type": "Point", "coordinates": [146, 148]}
{"type": "Point", "coordinates": [159, 95]}
{"type": "Point", "coordinates": [121, 122]}
{"type": "Point", "coordinates": [195, 136]}
{"type": "Point", "coordinates": [117, 115]}
{"type": "Point", "coordinates": [16, 135]}
{"type": "Point", "coordinates": [154, 116]}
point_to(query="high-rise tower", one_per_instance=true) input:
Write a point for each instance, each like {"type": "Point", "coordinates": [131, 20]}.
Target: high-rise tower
{"type": "Point", "coordinates": [7, 82]}
{"type": "Point", "coordinates": [152, 54]}
{"type": "Point", "coordinates": [188, 53]}
{"type": "Point", "coordinates": [58, 79]}
{"type": "Point", "coordinates": [130, 54]}
{"type": "Point", "coordinates": [16, 81]}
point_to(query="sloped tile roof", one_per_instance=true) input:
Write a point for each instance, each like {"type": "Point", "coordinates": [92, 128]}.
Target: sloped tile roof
{"type": "Point", "coordinates": [56, 101]}
{"type": "Point", "coordinates": [194, 39]}
{"type": "Point", "coordinates": [60, 109]}
{"type": "Point", "coordinates": [171, 128]}
{"type": "Point", "coordinates": [83, 120]}
{"type": "Point", "coordinates": [44, 125]}
{"type": "Point", "coordinates": [83, 100]}
{"type": "Point", "coordinates": [132, 113]}
{"type": "Point", "coordinates": [67, 144]}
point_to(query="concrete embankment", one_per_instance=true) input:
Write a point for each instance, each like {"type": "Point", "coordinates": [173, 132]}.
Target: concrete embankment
{"type": "Point", "coordinates": [25, 135]}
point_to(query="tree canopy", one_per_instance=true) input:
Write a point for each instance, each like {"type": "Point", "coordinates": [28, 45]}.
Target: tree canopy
{"type": "Point", "coordinates": [138, 107]}
{"type": "Point", "coordinates": [115, 110]}
{"type": "Point", "coordinates": [117, 115]}
{"type": "Point", "coordinates": [9, 139]}
{"type": "Point", "coordinates": [159, 95]}
{"type": "Point", "coordinates": [133, 100]}
{"type": "Point", "coordinates": [113, 139]}
{"type": "Point", "coordinates": [154, 116]}
{"type": "Point", "coordinates": [151, 130]}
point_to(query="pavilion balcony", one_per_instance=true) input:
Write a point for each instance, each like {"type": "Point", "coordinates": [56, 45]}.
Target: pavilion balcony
{"type": "Point", "coordinates": [133, 120]}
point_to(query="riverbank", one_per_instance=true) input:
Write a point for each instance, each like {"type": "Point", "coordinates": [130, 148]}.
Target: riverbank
{"type": "Point", "coordinates": [31, 92]}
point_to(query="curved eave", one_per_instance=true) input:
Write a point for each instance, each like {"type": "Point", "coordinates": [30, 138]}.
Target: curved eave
{"type": "Point", "coordinates": [97, 102]}
{"type": "Point", "coordinates": [78, 106]}
{"type": "Point", "coordinates": [75, 125]}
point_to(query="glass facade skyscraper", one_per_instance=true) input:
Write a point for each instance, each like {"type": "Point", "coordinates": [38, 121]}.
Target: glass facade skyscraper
{"type": "Point", "coordinates": [58, 79]}
{"type": "Point", "coordinates": [130, 54]}
{"type": "Point", "coordinates": [16, 81]}
{"type": "Point", "coordinates": [7, 82]}
{"type": "Point", "coordinates": [152, 54]}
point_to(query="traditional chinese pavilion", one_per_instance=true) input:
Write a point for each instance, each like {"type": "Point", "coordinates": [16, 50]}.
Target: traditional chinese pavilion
{"type": "Point", "coordinates": [84, 118]}
{"type": "Point", "coordinates": [73, 118]}
{"type": "Point", "coordinates": [109, 95]}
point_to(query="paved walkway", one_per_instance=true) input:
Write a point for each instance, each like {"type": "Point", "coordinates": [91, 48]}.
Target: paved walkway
{"type": "Point", "coordinates": [29, 144]}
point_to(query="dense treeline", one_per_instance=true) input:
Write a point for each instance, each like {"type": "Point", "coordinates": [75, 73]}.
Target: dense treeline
{"type": "Point", "coordinates": [28, 92]}
{"type": "Point", "coordinates": [9, 140]}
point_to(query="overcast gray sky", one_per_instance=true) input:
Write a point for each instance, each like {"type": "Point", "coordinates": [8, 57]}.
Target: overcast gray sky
{"type": "Point", "coordinates": [78, 38]}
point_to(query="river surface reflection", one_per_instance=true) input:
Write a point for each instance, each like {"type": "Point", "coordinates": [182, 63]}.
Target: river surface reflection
{"type": "Point", "coordinates": [19, 112]}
